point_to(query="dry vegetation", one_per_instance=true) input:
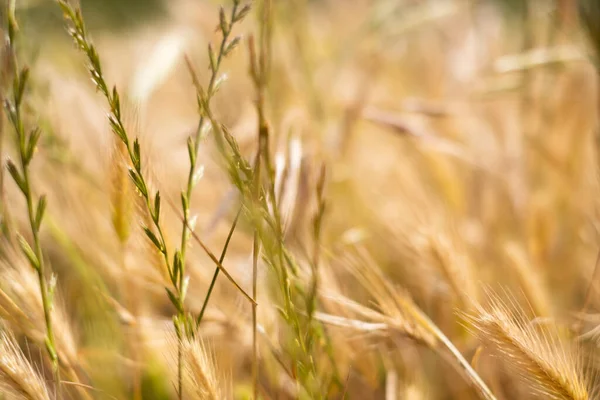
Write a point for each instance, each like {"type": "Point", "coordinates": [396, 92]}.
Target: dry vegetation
{"type": "Point", "coordinates": [335, 199]}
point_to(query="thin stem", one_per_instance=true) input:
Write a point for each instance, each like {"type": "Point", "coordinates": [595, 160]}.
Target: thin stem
{"type": "Point", "coordinates": [259, 71]}
{"type": "Point", "coordinates": [40, 268]}
{"type": "Point", "coordinates": [5, 222]}
{"type": "Point", "coordinates": [196, 147]}
{"type": "Point", "coordinates": [255, 255]}
{"type": "Point", "coordinates": [176, 268]}
{"type": "Point", "coordinates": [225, 47]}
{"type": "Point", "coordinates": [79, 34]}
{"type": "Point", "coordinates": [180, 369]}
{"type": "Point", "coordinates": [428, 324]}
{"type": "Point", "coordinates": [276, 252]}
{"type": "Point", "coordinates": [213, 258]}
{"type": "Point", "coordinates": [41, 273]}
{"type": "Point", "coordinates": [217, 269]}
{"type": "Point", "coordinates": [222, 268]}
{"type": "Point", "coordinates": [26, 146]}
{"type": "Point", "coordinates": [44, 293]}
{"type": "Point", "coordinates": [193, 155]}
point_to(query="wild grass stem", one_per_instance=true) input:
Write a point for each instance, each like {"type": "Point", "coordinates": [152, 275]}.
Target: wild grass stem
{"type": "Point", "coordinates": [27, 144]}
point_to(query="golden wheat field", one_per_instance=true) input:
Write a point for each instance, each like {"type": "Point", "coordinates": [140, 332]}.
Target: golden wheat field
{"type": "Point", "coordinates": [300, 199]}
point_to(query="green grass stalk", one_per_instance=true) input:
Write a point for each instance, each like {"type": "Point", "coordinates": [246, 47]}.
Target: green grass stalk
{"type": "Point", "coordinates": [183, 321]}
{"type": "Point", "coordinates": [27, 144]}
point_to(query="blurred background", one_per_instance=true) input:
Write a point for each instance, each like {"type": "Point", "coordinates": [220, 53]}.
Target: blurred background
{"type": "Point", "coordinates": [460, 139]}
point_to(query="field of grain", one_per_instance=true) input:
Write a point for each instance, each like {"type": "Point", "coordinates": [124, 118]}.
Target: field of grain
{"type": "Point", "coordinates": [299, 199]}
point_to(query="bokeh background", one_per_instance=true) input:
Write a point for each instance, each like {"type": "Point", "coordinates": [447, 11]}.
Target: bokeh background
{"type": "Point", "coordinates": [460, 141]}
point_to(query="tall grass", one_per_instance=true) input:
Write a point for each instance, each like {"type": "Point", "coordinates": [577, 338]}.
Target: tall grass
{"type": "Point", "coordinates": [27, 139]}
{"type": "Point", "coordinates": [184, 322]}
{"type": "Point", "coordinates": [358, 172]}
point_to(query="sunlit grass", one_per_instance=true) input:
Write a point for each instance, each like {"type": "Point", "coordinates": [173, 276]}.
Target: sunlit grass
{"type": "Point", "coordinates": [299, 199]}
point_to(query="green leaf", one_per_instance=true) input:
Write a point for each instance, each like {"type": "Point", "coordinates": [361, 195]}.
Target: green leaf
{"type": "Point", "coordinates": [191, 150]}
{"type": "Point", "coordinates": [232, 45]}
{"type": "Point", "coordinates": [190, 325]}
{"type": "Point", "coordinates": [19, 180]}
{"type": "Point", "coordinates": [117, 128]}
{"type": "Point", "coordinates": [51, 350]}
{"type": "Point", "coordinates": [33, 140]}
{"type": "Point", "coordinates": [154, 239]}
{"type": "Point", "coordinates": [39, 214]}
{"type": "Point", "coordinates": [282, 313]}
{"type": "Point", "coordinates": [177, 323]}
{"type": "Point", "coordinates": [11, 111]}
{"type": "Point", "coordinates": [184, 202]}
{"type": "Point", "coordinates": [177, 267]}
{"type": "Point", "coordinates": [174, 300]}
{"type": "Point", "coordinates": [242, 13]}
{"type": "Point", "coordinates": [211, 57]}
{"type": "Point", "coordinates": [28, 251]}
{"type": "Point", "coordinates": [200, 102]}
{"type": "Point", "coordinates": [115, 103]}
{"type": "Point", "coordinates": [66, 9]}
{"type": "Point", "coordinates": [139, 183]}
{"type": "Point", "coordinates": [156, 214]}
{"type": "Point", "coordinates": [137, 160]}
{"type": "Point", "coordinates": [96, 72]}
{"type": "Point", "coordinates": [19, 88]}
{"type": "Point", "coordinates": [223, 21]}
{"type": "Point", "coordinates": [12, 26]}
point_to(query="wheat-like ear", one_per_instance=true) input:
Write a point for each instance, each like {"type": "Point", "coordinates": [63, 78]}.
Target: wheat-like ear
{"type": "Point", "coordinates": [550, 365]}
{"type": "Point", "coordinates": [530, 279]}
{"type": "Point", "coordinates": [201, 372]}
{"type": "Point", "coordinates": [398, 314]}
{"type": "Point", "coordinates": [394, 306]}
{"type": "Point", "coordinates": [18, 378]}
